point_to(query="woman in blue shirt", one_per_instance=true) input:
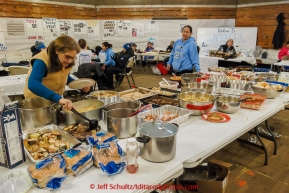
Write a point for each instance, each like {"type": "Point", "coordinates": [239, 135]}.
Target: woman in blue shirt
{"type": "Point", "coordinates": [184, 56]}
{"type": "Point", "coordinates": [109, 55]}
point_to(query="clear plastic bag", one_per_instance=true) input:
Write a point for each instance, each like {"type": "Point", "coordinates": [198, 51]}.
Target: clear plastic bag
{"type": "Point", "coordinates": [49, 173]}
{"type": "Point", "coordinates": [15, 182]}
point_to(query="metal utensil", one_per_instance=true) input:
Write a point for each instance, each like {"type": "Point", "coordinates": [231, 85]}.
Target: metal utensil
{"type": "Point", "coordinates": [166, 81]}
{"type": "Point", "coordinates": [141, 109]}
{"type": "Point", "coordinates": [92, 123]}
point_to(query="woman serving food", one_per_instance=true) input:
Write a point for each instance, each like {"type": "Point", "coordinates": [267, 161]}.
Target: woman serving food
{"type": "Point", "coordinates": [49, 71]}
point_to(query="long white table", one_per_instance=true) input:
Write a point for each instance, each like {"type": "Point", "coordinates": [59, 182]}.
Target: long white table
{"type": "Point", "coordinates": [196, 140]}
{"type": "Point", "coordinates": [14, 85]}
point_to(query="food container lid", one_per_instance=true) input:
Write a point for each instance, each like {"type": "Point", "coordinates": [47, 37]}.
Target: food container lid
{"type": "Point", "coordinates": [158, 129]}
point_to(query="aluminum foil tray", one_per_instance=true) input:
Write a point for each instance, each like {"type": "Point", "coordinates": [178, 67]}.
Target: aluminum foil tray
{"type": "Point", "coordinates": [132, 97]}
{"type": "Point", "coordinates": [228, 91]}
{"type": "Point", "coordinates": [183, 114]}
{"type": "Point", "coordinates": [67, 137]}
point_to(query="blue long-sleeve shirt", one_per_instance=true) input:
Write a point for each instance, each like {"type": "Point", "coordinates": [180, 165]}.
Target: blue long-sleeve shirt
{"type": "Point", "coordinates": [109, 56]}
{"type": "Point", "coordinates": [39, 71]}
{"type": "Point", "coordinates": [184, 55]}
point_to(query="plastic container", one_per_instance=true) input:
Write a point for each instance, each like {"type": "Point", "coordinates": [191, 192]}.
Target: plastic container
{"type": "Point", "coordinates": [131, 156]}
{"type": "Point", "coordinates": [172, 85]}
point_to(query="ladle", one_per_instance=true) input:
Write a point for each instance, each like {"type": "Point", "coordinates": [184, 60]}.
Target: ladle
{"type": "Point", "coordinates": [166, 81]}
{"type": "Point", "coordinates": [93, 123]}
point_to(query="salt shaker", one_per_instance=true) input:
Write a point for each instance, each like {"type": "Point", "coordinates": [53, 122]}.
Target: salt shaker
{"type": "Point", "coordinates": [131, 155]}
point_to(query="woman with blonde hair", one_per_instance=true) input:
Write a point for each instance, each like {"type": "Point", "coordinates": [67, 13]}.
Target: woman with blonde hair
{"type": "Point", "coordinates": [49, 71]}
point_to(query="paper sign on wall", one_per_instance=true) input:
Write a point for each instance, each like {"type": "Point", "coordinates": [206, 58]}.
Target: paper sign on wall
{"type": "Point", "coordinates": [34, 29]}
{"type": "Point", "coordinates": [213, 38]}
{"type": "Point", "coordinates": [2, 43]}
{"type": "Point", "coordinates": [109, 28]}
{"type": "Point", "coordinates": [15, 27]}
{"type": "Point", "coordinates": [93, 30]}
{"type": "Point", "coordinates": [152, 30]}
{"type": "Point", "coordinates": [51, 29]}
{"type": "Point", "coordinates": [66, 27]}
{"type": "Point", "coordinates": [80, 29]}
{"type": "Point", "coordinates": [138, 30]}
{"type": "Point", "coordinates": [124, 28]}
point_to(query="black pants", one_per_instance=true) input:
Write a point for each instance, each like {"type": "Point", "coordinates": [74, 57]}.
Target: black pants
{"type": "Point", "coordinates": [183, 72]}
{"type": "Point", "coordinates": [109, 75]}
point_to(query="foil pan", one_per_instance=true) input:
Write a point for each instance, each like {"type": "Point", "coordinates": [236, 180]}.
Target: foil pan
{"type": "Point", "coordinates": [132, 94]}
{"type": "Point", "coordinates": [228, 91]}
{"type": "Point", "coordinates": [73, 142]}
{"type": "Point", "coordinates": [183, 114]}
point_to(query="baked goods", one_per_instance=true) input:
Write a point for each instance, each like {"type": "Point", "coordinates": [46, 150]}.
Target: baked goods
{"type": "Point", "coordinates": [80, 130]}
{"type": "Point", "coordinates": [176, 78]}
{"type": "Point", "coordinates": [41, 144]}
{"type": "Point", "coordinates": [252, 101]}
{"type": "Point", "coordinates": [104, 95]}
{"type": "Point", "coordinates": [215, 116]}
{"type": "Point", "coordinates": [48, 170]}
{"type": "Point", "coordinates": [165, 117]}
{"type": "Point", "coordinates": [268, 86]}
{"type": "Point", "coordinates": [193, 98]}
{"type": "Point", "coordinates": [85, 109]}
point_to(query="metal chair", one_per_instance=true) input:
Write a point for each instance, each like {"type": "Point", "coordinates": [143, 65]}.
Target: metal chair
{"type": "Point", "coordinates": [15, 59]}
{"type": "Point", "coordinates": [12, 54]}
{"type": "Point", "coordinates": [15, 70]}
{"type": "Point", "coordinates": [129, 66]}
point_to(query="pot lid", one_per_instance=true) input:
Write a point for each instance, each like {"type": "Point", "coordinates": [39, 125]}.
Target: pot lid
{"type": "Point", "coordinates": [158, 129]}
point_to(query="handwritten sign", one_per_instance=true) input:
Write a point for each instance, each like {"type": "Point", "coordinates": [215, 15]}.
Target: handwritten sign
{"type": "Point", "coordinates": [109, 28]}
{"type": "Point", "coordinates": [34, 29]}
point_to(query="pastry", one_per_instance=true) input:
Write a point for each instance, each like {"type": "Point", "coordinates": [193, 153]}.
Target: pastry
{"type": "Point", "coordinates": [215, 117]}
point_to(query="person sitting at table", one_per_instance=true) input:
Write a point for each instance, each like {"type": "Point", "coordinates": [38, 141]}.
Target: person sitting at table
{"type": "Point", "coordinates": [37, 48]}
{"type": "Point", "coordinates": [284, 51]}
{"type": "Point", "coordinates": [109, 55]}
{"type": "Point", "coordinates": [170, 47]}
{"type": "Point", "coordinates": [148, 49]}
{"type": "Point", "coordinates": [121, 61]}
{"type": "Point", "coordinates": [227, 49]}
{"type": "Point", "coordinates": [133, 47]}
{"type": "Point", "coordinates": [84, 56]}
{"type": "Point", "coordinates": [49, 71]}
{"type": "Point", "coordinates": [184, 56]}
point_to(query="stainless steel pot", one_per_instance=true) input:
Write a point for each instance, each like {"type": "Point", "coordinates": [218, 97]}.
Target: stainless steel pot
{"type": "Point", "coordinates": [228, 104]}
{"type": "Point", "coordinates": [69, 117]}
{"type": "Point", "coordinates": [37, 112]}
{"type": "Point", "coordinates": [120, 105]}
{"type": "Point", "coordinates": [198, 87]}
{"type": "Point", "coordinates": [238, 84]}
{"type": "Point", "coordinates": [106, 100]}
{"type": "Point", "coordinates": [120, 124]}
{"type": "Point", "coordinates": [158, 141]}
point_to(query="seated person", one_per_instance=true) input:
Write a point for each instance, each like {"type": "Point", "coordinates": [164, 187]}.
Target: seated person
{"type": "Point", "coordinates": [96, 50]}
{"type": "Point", "coordinates": [37, 48]}
{"type": "Point", "coordinates": [227, 49]}
{"type": "Point", "coordinates": [284, 51]}
{"type": "Point", "coordinates": [170, 47]}
{"type": "Point", "coordinates": [109, 55]}
{"type": "Point", "coordinates": [133, 47]}
{"type": "Point", "coordinates": [122, 59]}
{"type": "Point", "coordinates": [148, 49]}
{"type": "Point", "coordinates": [84, 56]}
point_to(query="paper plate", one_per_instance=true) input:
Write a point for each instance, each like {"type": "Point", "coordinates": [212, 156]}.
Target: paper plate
{"type": "Point", "coordinates": [226, 117]}
{"type": "Point", "coordinates": [80, 83]}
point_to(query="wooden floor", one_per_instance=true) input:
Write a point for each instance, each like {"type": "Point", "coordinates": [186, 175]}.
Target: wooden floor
{"type": "Point", "coordinates": [248, 173]}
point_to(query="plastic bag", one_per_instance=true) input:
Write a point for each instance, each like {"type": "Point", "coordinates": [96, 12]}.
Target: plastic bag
{"type": "Point", "coordinates": [107, 154]}
{"type": "Point", "coordinates": [77, 159]}
{"type": "Point", "coordinates": [49, 173]}
{"type": "Point", "coordinates": [156, 70]}
{"type": "Point", "coordinates": [16, 182]}
{"type": "Point", "coordinates": [162, 68]}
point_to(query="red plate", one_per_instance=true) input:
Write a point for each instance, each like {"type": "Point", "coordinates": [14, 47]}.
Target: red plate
{"type": "Point", "coordinates": [226, 117]}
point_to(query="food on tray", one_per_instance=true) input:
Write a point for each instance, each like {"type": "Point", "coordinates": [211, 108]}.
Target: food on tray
{"type": "Point", "coordinates": [104, 95]}
{"type": "Point", "coordinates": [85, 109]}
{"type": "Point", "coordinates": [134, 95]}
{"type": "Point", "coordinates": [176, 78]}
{"type": "Point", "coordinates": [159, 101]}
{"type": "Point", "coordinates": [42, 144]}
{"type": "Point", "coordinates": [162, 92]}
{"type": "Point", "coordinates": [79, 131]}
{"type": "Point", "coordinates": [215, 117]}
{"type": "Point", "coordinates": [166, 116]}
{"type": "Point", "coordinates": [48, 171]}
{"type": "Point", "coordinates": [252, 101]}
{"type": "Point", "coordinates": [268, 86]}
{"type": "Point", "coordinates": [193, 98]}
{"type": "Point", "coordinates": [232, 77]}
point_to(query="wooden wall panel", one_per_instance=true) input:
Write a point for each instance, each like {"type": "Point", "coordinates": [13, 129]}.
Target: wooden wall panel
{"type": "Point", "coordinates": [263, 17]}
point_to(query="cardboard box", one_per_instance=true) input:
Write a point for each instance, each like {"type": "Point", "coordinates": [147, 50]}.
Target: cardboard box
{"type": "Point", "coordinates": [11, 143]}
{"type": "Point", "coordinates": [206, 186]}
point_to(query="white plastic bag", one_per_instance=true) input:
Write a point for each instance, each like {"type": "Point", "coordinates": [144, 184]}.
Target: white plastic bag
{"type": "Point", "coordinates": [156, 70]}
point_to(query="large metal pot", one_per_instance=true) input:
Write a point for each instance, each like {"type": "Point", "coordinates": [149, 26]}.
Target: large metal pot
{"type": "Point", "coordinates": [199, 108]}
{"type": "Point", "coordinates": [198, 87]}
{"type": "Point", "coordinates": [158, 141]}
{"type": "Point", "coordinates": [99, 95]}
{"type": "Point", "coordinates": [69, 117]}
{"type": "Point", "coordinates": [37, 112]}
{"type": "Point", "coordinates": [120, 124]}
{"type": "Point", "coordinates": [120, 105]}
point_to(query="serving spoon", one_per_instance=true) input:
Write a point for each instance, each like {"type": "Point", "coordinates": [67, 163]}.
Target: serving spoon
{"type": "Point", "coordinates": [93, 123]}
{"type": "Point", "coordinates": [166, 81]}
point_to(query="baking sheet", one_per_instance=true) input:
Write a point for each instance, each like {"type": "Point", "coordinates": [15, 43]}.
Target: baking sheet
{"type": "Point", "coordinates": [148, 91]}
{"type": "Point", "coordinates": [69, 138]}
{"type": "Point", "coordinates": [183, 114]}
{"type": "Point", "coordinates": [174, 92]}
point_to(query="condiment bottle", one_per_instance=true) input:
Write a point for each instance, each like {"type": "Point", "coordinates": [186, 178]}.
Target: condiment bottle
{"type": "Point", "coordinates": [131, 155]}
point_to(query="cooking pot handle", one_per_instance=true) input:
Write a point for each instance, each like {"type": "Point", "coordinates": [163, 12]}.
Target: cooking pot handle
{"type": "Point", "coordinates": [143, 139]}
{"type": "Point", "coordinates": [176, 125]}
{"type": "Point", "coordinates": [196, 107]}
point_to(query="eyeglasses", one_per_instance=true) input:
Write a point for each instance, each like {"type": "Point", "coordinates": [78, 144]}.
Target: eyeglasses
{"type": "Point", "coordinates": [68, 58]}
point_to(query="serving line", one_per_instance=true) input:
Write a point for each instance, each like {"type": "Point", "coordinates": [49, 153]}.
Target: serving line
{"type": "Point", "coordinates": [196, 139]}
{"type": "Point", "coordinates": [14, 85]}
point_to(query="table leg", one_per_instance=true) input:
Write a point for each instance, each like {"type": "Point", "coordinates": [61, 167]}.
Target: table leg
{"type": "Point", "coordinates": [263, 146]}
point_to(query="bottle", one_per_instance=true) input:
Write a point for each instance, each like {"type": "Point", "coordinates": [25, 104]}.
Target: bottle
{"type": "Point", "coordinates": [131, 156]}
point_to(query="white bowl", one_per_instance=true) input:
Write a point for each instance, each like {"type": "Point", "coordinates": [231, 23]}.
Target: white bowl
{"type": "Point", "coordinates": [172, 85]}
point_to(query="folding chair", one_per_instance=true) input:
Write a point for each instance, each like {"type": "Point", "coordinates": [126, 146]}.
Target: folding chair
{"type": "Point", "coordinates": [129, 66]}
